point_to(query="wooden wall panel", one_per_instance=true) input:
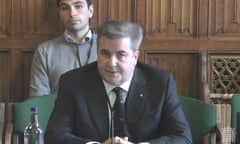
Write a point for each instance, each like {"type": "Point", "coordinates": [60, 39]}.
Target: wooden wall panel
{"type": "Point", "coordinates": [5, 56]}
{"type": "Point", "coordinates": [183, 65]}
{"type": "Point", "coordinates": [121, 9]}
{"type": "Point", "coordinates": [23, 25]}
{"type": "Point", "coordinates": [33, 18]}
{"type": "Point", "coordinates": [27, 55]}
{"type": "Point", "coordinates": [5, 12]}
{"type": "Point", "coordinates": [203, 17]}
{"type": "Point", "coordinates": [175, 31]}
{"type": "Point", "coordinates": [225, 20]}
{"type": "Point", "coordinates": [101, 12]}
{"type": "Point", "coordinates": [112, 9]}
{"type": "Point", "coordinates": [22, 59]}
{"type": "Point", "coordinates": [164, 18]}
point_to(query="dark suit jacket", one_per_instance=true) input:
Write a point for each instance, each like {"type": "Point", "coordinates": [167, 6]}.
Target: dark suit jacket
{"type": "Point", "coordinates": [153, 109]}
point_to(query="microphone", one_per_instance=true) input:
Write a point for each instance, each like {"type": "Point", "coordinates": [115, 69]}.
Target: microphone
{"type": "Point", "coordinates": [112, 111]}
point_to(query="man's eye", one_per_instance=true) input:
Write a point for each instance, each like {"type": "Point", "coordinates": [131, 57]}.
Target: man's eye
{"type": "Point", "coordinates": [104, 53]}
{"type": "Point", "coordinates": [78, 6]}
{"type": "Point", "coordinates": [63, 7]}
{"type": "Point", "coordinates": [122, 54]}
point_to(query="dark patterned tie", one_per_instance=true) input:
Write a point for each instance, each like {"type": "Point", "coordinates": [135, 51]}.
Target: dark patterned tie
{"type": "Point", "coordinates": [119, 114]}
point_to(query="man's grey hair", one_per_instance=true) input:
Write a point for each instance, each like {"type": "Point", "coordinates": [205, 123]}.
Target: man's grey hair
{"type": "Point", "coordinates": [115, 29]}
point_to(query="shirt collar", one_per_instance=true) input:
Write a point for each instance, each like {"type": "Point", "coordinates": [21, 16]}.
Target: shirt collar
{"type": "Point", "coordinates": [125, 86]}
{"type": "Point", "coordinates": [70, 39]}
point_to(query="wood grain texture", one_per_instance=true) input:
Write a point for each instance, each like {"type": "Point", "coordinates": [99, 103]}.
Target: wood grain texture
{"type": "Point", "coordinates": [179, 36]}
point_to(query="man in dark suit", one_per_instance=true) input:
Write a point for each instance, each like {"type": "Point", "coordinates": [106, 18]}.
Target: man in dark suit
{"type": "Point", "coordinates": [84, 109]}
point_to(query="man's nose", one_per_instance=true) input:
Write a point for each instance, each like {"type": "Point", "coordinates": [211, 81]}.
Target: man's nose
{"type": "Point", "coordinates": [73, 12]}
{"type": "Point", "coordinates": [113, 60]}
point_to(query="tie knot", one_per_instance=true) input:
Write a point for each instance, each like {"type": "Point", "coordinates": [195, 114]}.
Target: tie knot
{"type": "Point", "coordinates": [119, 93]}
{"type": "Point", "coordinates": [117, 90]}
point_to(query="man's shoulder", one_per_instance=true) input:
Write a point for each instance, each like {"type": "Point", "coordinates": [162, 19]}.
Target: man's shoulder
{"type": "Point", "coordinates": [85, 70]}
{"type": "Point", "coordinates": [151, 69]}
{"type": "Point", "coordinates": [152, 75]}
{"type": "Point", "coordinates": [80, 76]}
{"type": "Point", "coordinates": [53, 41]}
{"type": "Point", "coordinates": [52, 45]}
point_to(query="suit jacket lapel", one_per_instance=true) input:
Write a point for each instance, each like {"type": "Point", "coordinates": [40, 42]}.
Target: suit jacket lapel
{"type": "Point", "coordinates": [137, 96]}
{"type": "Point", "coordinates": [98, 107]}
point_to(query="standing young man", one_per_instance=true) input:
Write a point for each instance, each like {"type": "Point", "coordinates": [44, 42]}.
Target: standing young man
{"type": "Point", "coordinates": [74, 49]}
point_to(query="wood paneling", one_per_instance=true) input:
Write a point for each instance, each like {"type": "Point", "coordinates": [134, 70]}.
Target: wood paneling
{"type": "Point", "coordinates": [23, 25]}
{"type": "Point", "coordinates": [225, 18]}
{"type": "Point", "coordinates": [32, 18]}
{"type": "Point", "coordinates": [176, 34]}
{"type": "Point", "coordinates": [164, 18]}
{"type": "Point", "coordinates": [21, 73]}
{"type": "Point", "coordinates": [183, 65]}
{"type": "Point", "coordinates": [5, 12]}
{"type": "Point", "coordinates": [112, 9]}
{"type": "Point", "coordinates": [4, 73]}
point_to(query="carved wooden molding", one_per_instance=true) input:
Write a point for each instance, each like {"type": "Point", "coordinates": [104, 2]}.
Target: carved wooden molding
{"type": "Point", "coordinates": [225, 20]}
{"type": "Point", "coordinates": [225, 74]}
{"type": "Point", "coordinates": [168, 17]}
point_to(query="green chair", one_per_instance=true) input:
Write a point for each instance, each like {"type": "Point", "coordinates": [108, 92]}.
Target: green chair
{"type": "Point", "coordinates": [235, 108]}
{"type": "Point", "coordinates": [201, 117]}
{"type": "Point", "coordinates": [21, 114]}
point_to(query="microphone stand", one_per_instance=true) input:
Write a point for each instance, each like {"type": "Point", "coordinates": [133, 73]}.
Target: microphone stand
{"type": "Point", "coordinates": [112, 127]}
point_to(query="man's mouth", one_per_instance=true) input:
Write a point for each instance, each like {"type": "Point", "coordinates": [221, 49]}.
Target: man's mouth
{"type": "Point", "coordinates": [74, 21]}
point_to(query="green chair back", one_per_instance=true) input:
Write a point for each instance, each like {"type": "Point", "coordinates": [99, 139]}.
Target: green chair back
{"type": "Point", "coordinates": [21, 111]}
{"type": "Point", "coordinates": [235, 108]}
{"type": "Point", "coordinates": [201, 117]}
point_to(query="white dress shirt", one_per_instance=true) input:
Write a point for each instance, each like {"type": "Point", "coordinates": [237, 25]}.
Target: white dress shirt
{"type": "Point", "coordinates": [112, 98]}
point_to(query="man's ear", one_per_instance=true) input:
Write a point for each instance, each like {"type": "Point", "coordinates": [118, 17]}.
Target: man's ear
{"type": "Point", "coordinates": [91, 11]}
{"type": "Point", "coordinates": [136, 55]}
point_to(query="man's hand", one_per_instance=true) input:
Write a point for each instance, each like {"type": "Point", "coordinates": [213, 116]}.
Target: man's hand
{"type": "Point", "coordinates": [117, 140]}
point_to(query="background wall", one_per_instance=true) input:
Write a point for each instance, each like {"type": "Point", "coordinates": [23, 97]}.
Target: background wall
{"type": "Point", "coordinates": [197, 40]}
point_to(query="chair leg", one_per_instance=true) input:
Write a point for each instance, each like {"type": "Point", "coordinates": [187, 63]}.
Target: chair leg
{"type": "Point", "coordinates": [8, 134]}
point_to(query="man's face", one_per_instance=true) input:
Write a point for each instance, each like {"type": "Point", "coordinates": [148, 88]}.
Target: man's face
{"type": "Point", "coordinates": [75, 15]}
{"type": "Point", "coordinates": [116, 60]}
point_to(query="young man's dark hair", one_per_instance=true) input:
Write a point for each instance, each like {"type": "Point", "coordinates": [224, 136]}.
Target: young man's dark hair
{"type": "Point", "coordinates": [89, 2]}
